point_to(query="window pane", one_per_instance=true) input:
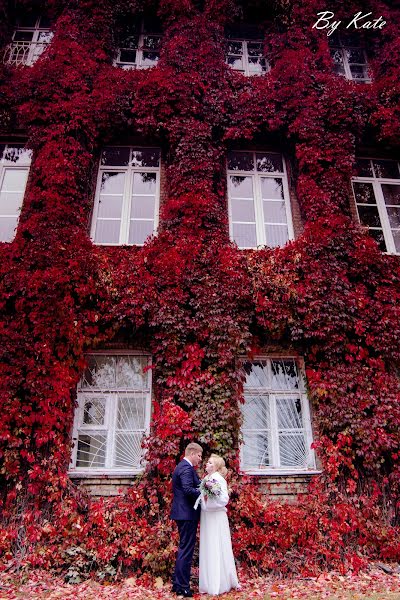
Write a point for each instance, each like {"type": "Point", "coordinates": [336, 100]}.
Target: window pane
{"type": "Point", "coordinates": [128, 450]}
{"type": "Point", "coordinates": [10, 203]}
{"type": "Point", "coordinates": [144, 183]}
{"type": "Point", "coordinates": [391, 193]}
{"type": "Point", "coordinates": [396, 239]}
{"type": "Point", "coordinates": [115, 156]}
{"type": "Point", "coordinates": [131, 413]}
{"type": "Point", "coordinates": [337, 57]}
{"type": "Point", "coordinates": [139, 231]}
{"type": "Point", "coordinates": [107, 232]}
{"type": "Point", "coordinates": [254, 48]}
{"type": "Point", "coordinates": [7, 228]}
{"type": "Point", "coordinates": [243, 210]}
{"type": "Point", "coordinates": [256, 412]}
{"type": "Point", "coordinates": [94, 411]}
{"type": "Point", "coordinates": [112, 183]}
{"type": "Point", "coordinates": [257, 65]}
{"type": "Point", "coordinates": [377, 234]}
{"type": "Point", "coordinates": [244, 235]}
{"type": "Point", "coordinates": [284, 375]}
{"type": "Point", "coordinates": [394, 216]}
{"type": "Point", "coordinates": [292, 450]}
{"type": "Point", "coordinates": [17, 155]}
{"type": "Point", "coordinates": [269, 163]}
{"type": "Point", "coordinates": [14, 180]}
{"type": "Point", "coordinates": [110, 206]}
{"type": "Point", "coordinates": [274, 212]}
{"type": "Point", "coordinates": [129, 372]}
{"type": "Point", "coordinates": [149, 59]}
{"type": "Point", "coordinates": [363, 167]}
{"type": "Point", "coordinates": [240, 187]}
{"type": "Point", "coordinates": [146, 157]}
{"type": "Point", "coordinates": [45, 37]}
{"type": "Point", "coordinates": [386, 169]}
{"type": "Point", "coordinates": [235, 62]}
{"type": "Point", "coordinates": [151, 42]}
{"type": "Point", "coordinates": [369, 216]}
{"type": "Point", "coordinates": [359, 72]}
{"type": "Point", "coordinates": [355, 55]}
{"type": "Point", "coordinates": [27, 20]}
{"type": "Point", "coordinates": [23, 36]}
{"type": "Point", "coordinates": [142, 207]}
{"type": "Point", "coordinates": [276, 235]}
{"type": "Point", "coordinates": [127, 56]}
{"type": "Point", "coordinates": [235, 47]}
{"type": "Point", "coordinates": [100, 372]}
{"type": "Point", "coordinates": [240, 161]}
{"type": "Point", "coordinates": [256, 450]}
{"type": "Point", "coordinates": [91, 451]}
{"type": "Point", "coordinates": [130, 42]}
{"type": "Point", "coordinates": [364, 193]}
{"type": "Point", "coordinates": [289, 413]}
{"type": "Point", "coordinates": [257, 375]}
{"type": "Point", "coordinates": [272, 188]}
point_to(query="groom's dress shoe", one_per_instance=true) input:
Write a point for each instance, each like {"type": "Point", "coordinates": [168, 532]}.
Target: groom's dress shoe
{"type": "Point", "coordinates": [185, 594]}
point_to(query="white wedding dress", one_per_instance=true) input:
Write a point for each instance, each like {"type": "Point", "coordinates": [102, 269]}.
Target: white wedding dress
{"type": "Point", "coordinates": [217, 571]}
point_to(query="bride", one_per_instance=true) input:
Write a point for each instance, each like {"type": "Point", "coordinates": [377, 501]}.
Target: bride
{"type": "Point", "coordinates": [217, 571]}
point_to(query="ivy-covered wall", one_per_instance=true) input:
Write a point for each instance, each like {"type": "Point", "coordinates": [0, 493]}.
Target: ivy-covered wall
{"type": "Point", "coordinates": [198, 302]}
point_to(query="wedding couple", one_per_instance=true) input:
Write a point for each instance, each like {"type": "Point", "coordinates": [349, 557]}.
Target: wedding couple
{"type": "Point", "coordinates": [217, 571]}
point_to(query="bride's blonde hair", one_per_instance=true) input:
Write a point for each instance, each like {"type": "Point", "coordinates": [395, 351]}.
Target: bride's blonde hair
{"type": "Point", "coordinates": [219, 464]}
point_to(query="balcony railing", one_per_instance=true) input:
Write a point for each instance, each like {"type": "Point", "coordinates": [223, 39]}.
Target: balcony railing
{"type": "Point", "coordinates": [23, 53]}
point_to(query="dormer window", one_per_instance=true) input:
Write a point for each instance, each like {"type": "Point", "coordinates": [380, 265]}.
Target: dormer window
{"type": "Point", "coordinates": [139, 46]}
{"type": "Point", "coordinates": [349, 57]}
{"type": "Point", "coordinates": [31, 37]}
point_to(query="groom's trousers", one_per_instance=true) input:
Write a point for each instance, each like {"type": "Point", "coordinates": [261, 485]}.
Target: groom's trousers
{"type": "Point", "coordinates": [187, 539]}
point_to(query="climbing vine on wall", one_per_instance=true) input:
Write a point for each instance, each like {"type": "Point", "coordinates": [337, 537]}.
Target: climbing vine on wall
{"type": "Point", "coordinates": [199, 302]}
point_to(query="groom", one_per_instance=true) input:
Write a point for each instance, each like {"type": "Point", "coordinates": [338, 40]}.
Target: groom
{"type": "Point", "coordinates": [185, 484]}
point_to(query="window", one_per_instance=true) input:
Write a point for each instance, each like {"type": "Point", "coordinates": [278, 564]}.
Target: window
{"type": "Point", "coordinates": [127, 198]}
{"type": "Point", "coordinates": [246, 56]}
{"type": "Point", "coordinates": [276, 420]}
{"type": "Point", "coordinates": [349, 58]}
{"type": "Point", "coordinates": [31, 37]}
{"type": "Point", "coordinates": [259, 206]}
{"type": "Point", "coordinates": [377, 193]}
{"type": "Point", "coordinates": [139, 46]}
{"type": "Point", "coordinates": [114, 398]}
{"type": "Point", "coordinates": [14, 168]}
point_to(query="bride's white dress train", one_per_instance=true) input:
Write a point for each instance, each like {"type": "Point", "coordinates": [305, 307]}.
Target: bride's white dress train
{"type": "Point", "coordinates": [217, 571]}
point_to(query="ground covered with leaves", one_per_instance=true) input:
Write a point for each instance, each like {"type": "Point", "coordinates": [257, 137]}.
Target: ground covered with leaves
{"type": "Point", "coordinates": [373, 584]}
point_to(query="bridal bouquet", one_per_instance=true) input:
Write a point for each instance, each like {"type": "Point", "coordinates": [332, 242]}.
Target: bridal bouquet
{"type": "Point", "coordinates": [210, 488]}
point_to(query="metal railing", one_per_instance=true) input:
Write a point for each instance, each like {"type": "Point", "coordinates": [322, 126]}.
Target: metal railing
{"type": "Point", "coordinates": [23, 53]}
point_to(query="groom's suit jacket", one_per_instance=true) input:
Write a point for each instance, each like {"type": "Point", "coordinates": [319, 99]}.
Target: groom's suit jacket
{"type": "Point", "coordinates": [185, 483]}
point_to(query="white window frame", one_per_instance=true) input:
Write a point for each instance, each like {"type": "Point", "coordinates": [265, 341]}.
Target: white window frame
{"type": "Point", "coordinates": [380, 201]}
{"type": "Point", "coordinates": [109, 426]}
{"type": "Point", "coordinates": [245, 57]}
{"type": "Point", "coordinates": [275, 468]}
{"type": "Point", "coordinates": [4, 167]}
{"type": "Point", "coordinates": [342, 46]}
{"type": "Point", "coordinates": [258, 201]}
{"type": "Point", "coordinates": [125, 215]}
{"type": "Point", "coordinates": [28, 48]}
{"type": "Point", "coordinates": [138, 64]}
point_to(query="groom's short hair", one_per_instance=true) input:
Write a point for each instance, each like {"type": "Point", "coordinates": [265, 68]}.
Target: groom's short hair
{"type": "Point", "coordinates": [192, 448]}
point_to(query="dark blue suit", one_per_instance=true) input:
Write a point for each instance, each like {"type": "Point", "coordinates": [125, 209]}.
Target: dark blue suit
{"type": "Point", "coordinates": [185, 483]}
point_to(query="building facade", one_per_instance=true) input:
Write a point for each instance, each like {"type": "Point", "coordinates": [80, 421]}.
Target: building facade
{"type": "Point", "coordinates": [200, 226]}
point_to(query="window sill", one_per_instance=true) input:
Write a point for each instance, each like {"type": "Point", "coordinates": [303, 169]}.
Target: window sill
{"type": "Point", "coordinates": [281, 472]}
{"type": "Point", "coordinates": [75, 474]}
